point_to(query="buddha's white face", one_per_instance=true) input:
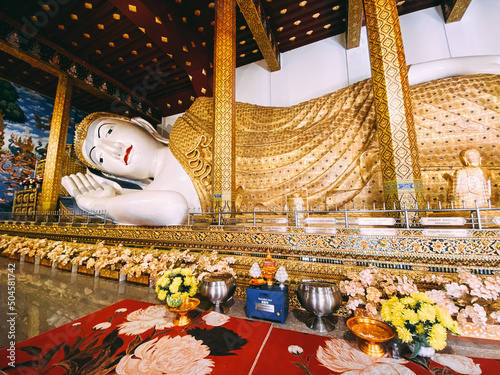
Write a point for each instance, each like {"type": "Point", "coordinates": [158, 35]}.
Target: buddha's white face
{"type": "Point", "coordinates": [121, 148]}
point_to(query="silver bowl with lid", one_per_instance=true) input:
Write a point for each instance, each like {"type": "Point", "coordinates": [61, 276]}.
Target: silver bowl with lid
{"type": "Point", "coordinates": [321, 299]}
{"type": "Point", "coordinates": [218, 287]}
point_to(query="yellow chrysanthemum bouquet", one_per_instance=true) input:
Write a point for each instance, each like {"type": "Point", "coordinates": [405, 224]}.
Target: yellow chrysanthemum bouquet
{"type": "Point", "coordinates": [418, 320]}
{"type": "Point", "coordinates": [176, 285]}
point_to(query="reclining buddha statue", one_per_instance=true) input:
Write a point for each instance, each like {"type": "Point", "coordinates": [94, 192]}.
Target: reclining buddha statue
{"type": "Point", "coordinates": [324, 151]}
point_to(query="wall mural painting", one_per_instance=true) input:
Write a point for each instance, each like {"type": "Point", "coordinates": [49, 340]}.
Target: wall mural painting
{"type": "Point", "coordinates": [25, 120]}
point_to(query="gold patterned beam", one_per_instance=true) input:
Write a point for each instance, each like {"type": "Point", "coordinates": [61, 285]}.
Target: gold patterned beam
{"type": "Point", "coordinates": [394, 113]}
{"type": "Point", "coordinates": [57, 143]}
{"type": "Point", "coordinates": [454, 10]}
{"type": "Point", "coordinates": [224, 105]}
{"type": "Point", "coordinates": [354, 23]}
{"type": "Point", "coordinates": [257, 21]}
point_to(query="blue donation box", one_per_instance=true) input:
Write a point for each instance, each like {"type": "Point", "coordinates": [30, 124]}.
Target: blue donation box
{"type": "Point", "coordinates": [267, 302]}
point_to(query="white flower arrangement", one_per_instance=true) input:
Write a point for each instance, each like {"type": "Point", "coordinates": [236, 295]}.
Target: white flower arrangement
{"type": "Point", "coordinates": [472, 297]}
{"type": "Point", "coordinates": [131, 262]}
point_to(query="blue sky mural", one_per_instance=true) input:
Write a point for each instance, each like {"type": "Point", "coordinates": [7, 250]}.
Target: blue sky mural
{"type": "Point", "coordinates": [25, 143]}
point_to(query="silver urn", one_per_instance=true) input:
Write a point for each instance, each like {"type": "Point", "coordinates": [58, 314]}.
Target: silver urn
{"type": "Point", "coordinates": [321, 299]}
{"type": "Point", "coordinates": [218, 287]}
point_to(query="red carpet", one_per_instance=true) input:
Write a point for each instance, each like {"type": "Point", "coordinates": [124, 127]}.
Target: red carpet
{"type": "Point", "coordinates": [132, 337]}
{"type": "Point", "coordinates": [320, 355]}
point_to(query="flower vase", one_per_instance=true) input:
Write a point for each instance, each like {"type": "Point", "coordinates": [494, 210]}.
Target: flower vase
{"type": "Point", "coordinates": [182, 317]}
{"type": "Point", "coordinates": [425, 351]}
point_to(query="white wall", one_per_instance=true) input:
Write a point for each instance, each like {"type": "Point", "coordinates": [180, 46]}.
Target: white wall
{"type": "Point", "coordinates": [326, 66]}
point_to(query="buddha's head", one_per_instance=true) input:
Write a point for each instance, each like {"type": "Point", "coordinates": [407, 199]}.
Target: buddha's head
{"type": "Point", "coordinates": [117, 145]}
{"type": "Point", "coordinates": [471, 157]}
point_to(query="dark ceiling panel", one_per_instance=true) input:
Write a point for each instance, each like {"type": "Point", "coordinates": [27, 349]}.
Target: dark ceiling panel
{"type": "Point", "coordinates": [102, 36]}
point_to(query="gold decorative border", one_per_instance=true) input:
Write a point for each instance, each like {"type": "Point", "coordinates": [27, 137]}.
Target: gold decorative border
{"type": "Point", "coordinates": [304, 256]}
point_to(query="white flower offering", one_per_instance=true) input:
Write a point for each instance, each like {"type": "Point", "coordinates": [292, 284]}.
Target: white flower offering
{"type": "Point", "coordinates": [255, 270]}
{"type": "Point", "coordinates": [281, 276]}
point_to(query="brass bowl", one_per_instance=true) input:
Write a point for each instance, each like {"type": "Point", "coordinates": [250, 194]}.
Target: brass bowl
{"type": "Point", "coordinates": [370, 332]}
{"type": "Point", "coordinates": [182, 311]}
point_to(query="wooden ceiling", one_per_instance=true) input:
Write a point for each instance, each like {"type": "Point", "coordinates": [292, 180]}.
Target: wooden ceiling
{"type": "Point", "coordinates": [159, 50]}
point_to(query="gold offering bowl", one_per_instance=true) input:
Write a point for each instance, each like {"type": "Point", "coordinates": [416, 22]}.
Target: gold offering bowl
{"type": "Point", "coordinates": [370, 332]}
{"type": "Point", "coordinates": [182, 317]}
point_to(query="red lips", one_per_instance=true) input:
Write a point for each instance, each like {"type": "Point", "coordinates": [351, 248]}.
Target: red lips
{"type": "Point", "coordinates": [127, 154]}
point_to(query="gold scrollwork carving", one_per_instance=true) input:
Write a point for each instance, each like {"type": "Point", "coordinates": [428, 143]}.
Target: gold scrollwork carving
{"type": "Point", "coordinates": [197, 159]}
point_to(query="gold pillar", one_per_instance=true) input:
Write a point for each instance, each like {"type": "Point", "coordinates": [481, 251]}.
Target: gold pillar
{"type": "Point", "coordinates": [224, 104]}
{"type": "Point", "coordinates": [394, 115]}
{"type": "Point", "coordinates": [57, 142]}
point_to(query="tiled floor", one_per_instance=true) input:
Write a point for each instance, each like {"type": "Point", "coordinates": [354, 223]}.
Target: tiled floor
{"type": "Point", "coordinates": [46, 298]}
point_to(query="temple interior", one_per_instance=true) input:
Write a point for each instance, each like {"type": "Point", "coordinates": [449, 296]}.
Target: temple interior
{"type": "Point", "coordinates": [327, 168]}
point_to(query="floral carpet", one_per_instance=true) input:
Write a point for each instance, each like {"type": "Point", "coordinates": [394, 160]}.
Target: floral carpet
{"type": "Point", "coordinates": [132, 337]}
